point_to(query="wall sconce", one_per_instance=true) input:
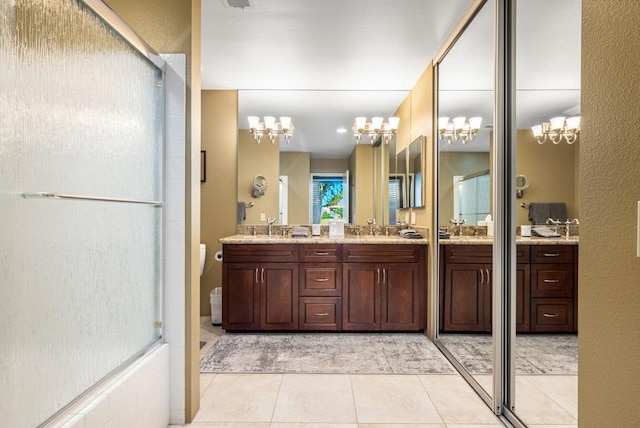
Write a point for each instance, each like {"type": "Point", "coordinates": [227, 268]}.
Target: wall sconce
{"type": "Point", "coordinates": [459, 128]}
{"type": "Point", "coordinates": [376, 128]}
{"type": "Point", "coordinates": [271, 128]}
{"type": "Point", "coordinates": [558, 129]}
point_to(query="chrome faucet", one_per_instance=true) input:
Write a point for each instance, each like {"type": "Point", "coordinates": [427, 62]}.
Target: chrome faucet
{"type": "Point", "coordinates": [568, 224]}
{"type": "Point", "coordinates": [371, 222]}
{"type": "Point", "coordinates": [457, 225]}
{"type": "Point", "coordinates": [270, 222]}
{"type": "Point", "coordinates": [552, 221]}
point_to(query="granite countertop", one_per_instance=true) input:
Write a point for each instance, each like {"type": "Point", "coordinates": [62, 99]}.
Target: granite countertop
{"type": "Point", "coordinates": [349, 239]}
{"type": "Point", "coordinates": [484, 240]}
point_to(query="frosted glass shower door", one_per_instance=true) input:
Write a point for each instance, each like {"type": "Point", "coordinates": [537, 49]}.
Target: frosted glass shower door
{"type": "Point", "coordinates": [81, 114]}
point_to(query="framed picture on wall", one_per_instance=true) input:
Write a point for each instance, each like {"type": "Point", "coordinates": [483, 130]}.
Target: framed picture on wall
{"type": "Point", "coordinates": [203, 166]}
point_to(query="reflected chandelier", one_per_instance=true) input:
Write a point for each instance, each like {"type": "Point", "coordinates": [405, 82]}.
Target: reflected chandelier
{"type": "Point", "coordinates": [459, 128]}
{"type": "Point", "coordinates": [271, 128]}
{"type": "Point", "coordinates": [376, 128]}
{"type": "Point", "coordinates": [557, 129]}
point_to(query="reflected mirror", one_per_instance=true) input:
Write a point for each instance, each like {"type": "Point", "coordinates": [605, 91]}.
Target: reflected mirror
{"type": "Point", "coordinates": [415, 173]}
{"type": "Point", "coordinates": [317, 148]}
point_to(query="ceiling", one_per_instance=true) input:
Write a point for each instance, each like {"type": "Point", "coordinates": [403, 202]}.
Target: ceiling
{"type": "Point", "coordinates": [324, 62]}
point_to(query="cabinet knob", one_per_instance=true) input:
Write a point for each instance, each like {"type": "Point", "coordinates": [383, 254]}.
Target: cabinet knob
{"type": "Point", "coordinates": [551, 254]}
{"type": "Point", "coordinates": [321, 279]}
{"type": "Point", "coordinates": [550, 315]}
{"type": "Point", "coordinates": [553, 281]}
{"type": "Point", "coordinates": [320, 253]}
{"type": "Point", "coordinates": [322, 314]}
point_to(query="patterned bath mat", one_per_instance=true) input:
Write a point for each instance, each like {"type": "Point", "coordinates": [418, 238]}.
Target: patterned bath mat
{"type": "Point", "coordinates": [548, 354]}
{"type": "Point", "coordinates": [354, 353]}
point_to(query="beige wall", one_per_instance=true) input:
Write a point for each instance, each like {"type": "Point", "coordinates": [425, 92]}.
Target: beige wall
{"type": "Point", "coordinates": [609, 301]}
{"type": "Point", "coordinates": [329, 165]}
{"type": "Point", "coordinates": [258, 159]}
{"type": "Point", "coordinates": [296, 165]}
{"type": "Point", "coordinates": [422, 124]}
{"type": "Point", "coordinates": [550, 169]}
{"type": "Point", "coordinates": [174, 27]}
{"type": "Point", "coordinates": [456, 163]}
{"type": "Point", "coordinates": [218, 193]}
{"type": "Point", "coordinates": [361, 183]}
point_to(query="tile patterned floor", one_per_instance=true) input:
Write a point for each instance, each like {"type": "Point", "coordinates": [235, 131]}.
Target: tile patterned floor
{"type": "Point", "coordinates": [370, 401]}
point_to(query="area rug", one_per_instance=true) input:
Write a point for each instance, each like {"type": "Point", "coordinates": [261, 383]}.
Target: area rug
{"type": "Point", "coordinates": [553, 354]}
{"type": "Point", "coordinates": [353, 353]}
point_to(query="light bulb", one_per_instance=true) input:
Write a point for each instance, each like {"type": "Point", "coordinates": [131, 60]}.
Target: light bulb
{"type": "Point", "coordinates": [394, 122]}
{"type": "Point", "coordinates": [285, 122]}
{"type": "Point", "coordinates": [376, 122]}
{"type": "Point", "coordinates": [458, 122]}
{"type": "Point", "coordinates": [557, 122]}
{"type": "Point", "coordinates": [537, 131]}
{"type": "Point", "coordinates": [254, 121]}
{"type": "Point", "coordinates": [269, 122]}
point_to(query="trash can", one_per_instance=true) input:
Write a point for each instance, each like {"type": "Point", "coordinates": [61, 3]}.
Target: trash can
{"type": "Point", "coordinates": [216, 306]}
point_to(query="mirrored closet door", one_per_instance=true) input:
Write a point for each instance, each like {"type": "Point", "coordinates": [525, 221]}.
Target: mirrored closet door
{"type": "Point", "coordinates": [465, 98]}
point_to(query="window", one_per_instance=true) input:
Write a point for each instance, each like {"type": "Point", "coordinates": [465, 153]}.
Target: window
{"type": "Point", "coordinates": [329, 198]}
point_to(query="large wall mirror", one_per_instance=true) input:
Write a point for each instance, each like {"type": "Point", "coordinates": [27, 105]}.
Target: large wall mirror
{"type": "Point", "coordinates": [318, 157]}
{"type": "Point", "coordinates": [547, 35]}
{"type": "Point", "coordinates": [466, 89]}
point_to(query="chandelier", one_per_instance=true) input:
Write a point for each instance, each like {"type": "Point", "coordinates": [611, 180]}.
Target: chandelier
{"type": "Point", "coordinates": [459, 128]}
{"type": "Point", "coordinates": [376, 128]}
{"type": "Point", "coordinates": [557, 129]}
{"type": "Point", "coordinates": [270, 127]}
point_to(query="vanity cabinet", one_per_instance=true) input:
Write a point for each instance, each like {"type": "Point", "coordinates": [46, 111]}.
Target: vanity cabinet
{"type": "Point", "coordinates": [552, 288]}
{"type": "Point", "coordinates": [260, 287]}
{"type": "Point", "coordinates": [466, 286]}
{"type": "Point", "coordinates": [546, 288]}
{"type": "Point", "coordinates": [320, 287]}
{"type": "Point", "coordinates": [324, 287]}
{"type": "Point", "coordinates": [384, 288]}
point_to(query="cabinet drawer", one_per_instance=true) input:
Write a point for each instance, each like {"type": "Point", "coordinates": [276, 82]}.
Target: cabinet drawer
{"type": "Point", "coordinates": [552, 254]}
{"type": "Point", "coordinates": [383, 253]}
{"type": "Point", "coordinates": [468, 253]}
{"type": "Point", "coordinates": [480, 253]}
{"type": "Point", "coordinates": [260, 253]}
{"type": "Point", "coordinates": [321, 279]}
{"type": "Point", "coordinates": [551, 280]}
{"type": "Point", "coordinates": [320, 253]}
{"type": "Point", "coordinates": [552, 315]}
{"type": "Point", "coordinates": [320, 313]}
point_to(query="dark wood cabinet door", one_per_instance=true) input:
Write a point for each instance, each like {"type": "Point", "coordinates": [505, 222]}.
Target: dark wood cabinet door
{"type": "Point", "coordinates": [278, 296]}
{"type": "Point", "coordinates": [240, 296]}
{"type": "Point", "coordinates": [361, 297]}
{"type": "Point", "coordinates": [464, 297]}
{"type": "Point", "coordinates": [401, 297]}
{"type": "Point", "coordinates": [523, 298]}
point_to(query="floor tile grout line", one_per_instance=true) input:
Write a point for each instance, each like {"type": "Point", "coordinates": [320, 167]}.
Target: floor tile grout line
{"type": "Point", "coordinates": [549, 397]}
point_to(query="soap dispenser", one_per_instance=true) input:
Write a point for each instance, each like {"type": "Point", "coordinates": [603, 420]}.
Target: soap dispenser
{"type": "Point", "coordinates": [489, 222]}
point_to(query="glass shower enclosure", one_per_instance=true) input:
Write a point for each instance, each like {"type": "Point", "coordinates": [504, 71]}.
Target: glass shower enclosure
{"type": "Point", "coordinates": [81, 155]}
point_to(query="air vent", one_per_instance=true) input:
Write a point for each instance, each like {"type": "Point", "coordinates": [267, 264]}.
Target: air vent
{"type": "Point", "coordinates": [239, 4]}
